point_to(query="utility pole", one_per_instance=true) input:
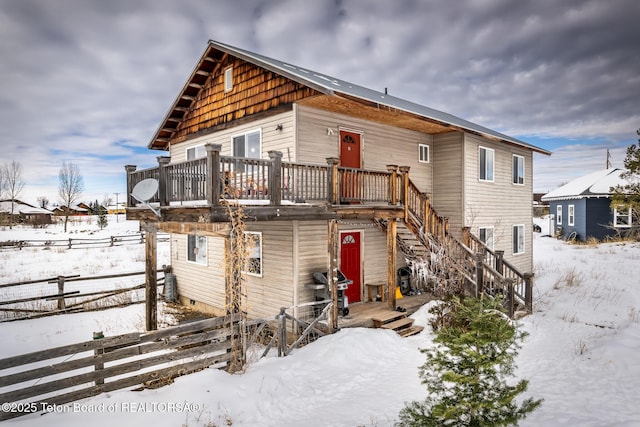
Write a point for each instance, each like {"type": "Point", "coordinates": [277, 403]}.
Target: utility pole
{"type": "Point", "coordinates": [608, 159]}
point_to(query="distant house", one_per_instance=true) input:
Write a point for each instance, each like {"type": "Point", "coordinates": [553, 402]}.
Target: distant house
{"type": "Point", "coordinates": [583, 207]}
{"type": "Point", "coordinates": [23, 213]}
{"type": "Point", "coordinates": [75, 210]}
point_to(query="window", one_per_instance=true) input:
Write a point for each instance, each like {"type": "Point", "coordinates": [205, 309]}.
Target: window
{"type": "Point", "coordinates": [486, 164]}
{"type": "Point", "coordinates": [228, 79]}
{"type": "Point", "coordinates": [518, 169]}
{"type": "Point", "coordinates": [486, 236]}
{"type": "Point", "coordinates": [622, 218]}
{"type": "Point", "coordinates": [559, 215]}
{"type": "Point", "coordinates": [254, 263]}
{"type": "Point", "coordinates": [423, 153]}
{"type": "Point", "coordinates": [197, 249]}
{"type": "Point", "coordinates": [196, 152]}
{"type": "Point", "coordinates": [571, 215]}
{"type": "Point", "coordinates": [248, 145]}
{"type": "Point", "coordinates": [518, 239]}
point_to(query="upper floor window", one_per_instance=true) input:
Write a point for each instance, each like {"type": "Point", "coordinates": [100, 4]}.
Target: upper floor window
{"type": "Point", "coordinates": [228, 79]}
{"type": "Point", "coordinates": [486, 164]}
{"type": "Point", "coordinates": [197, 249]}
{"type": "Point", "coordinates": [196, 152]}
{"type": "Point", "coordinates": [254, 263]}
{"type": "Point", "coordinates": [571, 215]}
{"type": "Point", "coordinates": [559, 215]}
{"type": "Point", "coordinates": [518, 239]}
{"type": "Point", "coordinates": [486, 236]}
{"type": "Point", "coordinates": [518, 169]}
{"type": "Point", "coordinates": [423, 153]}
{"type": "Point", "coordinates": [248, 145]}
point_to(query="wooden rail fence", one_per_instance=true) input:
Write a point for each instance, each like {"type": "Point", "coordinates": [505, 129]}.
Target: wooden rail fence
{"type": "Point", "coordinates": [128, 239]}
{"type": "Point", "coordinates": [35, 381]}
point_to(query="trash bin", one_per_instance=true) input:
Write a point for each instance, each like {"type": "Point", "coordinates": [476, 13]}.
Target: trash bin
{"type": "Point", "coordinates": [404, 280]}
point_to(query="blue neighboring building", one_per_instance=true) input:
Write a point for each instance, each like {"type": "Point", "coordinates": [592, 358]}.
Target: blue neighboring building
{"type": "Point", "coordinates": [583, 206]}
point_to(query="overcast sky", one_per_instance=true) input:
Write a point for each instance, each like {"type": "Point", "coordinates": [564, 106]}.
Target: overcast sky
{"type": "Point", "coordinates": [88, 81]}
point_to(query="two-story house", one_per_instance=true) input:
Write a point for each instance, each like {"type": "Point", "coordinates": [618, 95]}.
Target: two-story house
{"type": "Point", "coordinates": [327, 173]}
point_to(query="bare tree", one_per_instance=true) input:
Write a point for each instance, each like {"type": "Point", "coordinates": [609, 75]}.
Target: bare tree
{"type": "Point", "coordinates": [43, 202]}
{"type": "Point", "coordinates": [70, 187]}
{"type": "Point", "coordinates": [3, 184]}
{"type": "Point", "coordinates": [13, 184]}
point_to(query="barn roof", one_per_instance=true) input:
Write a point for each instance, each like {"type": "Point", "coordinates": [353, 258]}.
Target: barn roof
{"type": "Point", "coordinates": [333, 86]}
{"type": "Point", "coordinates": [595, 184]}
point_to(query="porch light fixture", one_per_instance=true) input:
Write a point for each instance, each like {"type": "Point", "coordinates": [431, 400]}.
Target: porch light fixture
{"type": "Point", "coordinates": [279, 126]}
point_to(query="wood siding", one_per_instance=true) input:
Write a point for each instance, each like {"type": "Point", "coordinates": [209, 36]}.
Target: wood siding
{"type": "Point", "coordinates": [272, 139]}
{"type": "Point", "coordinates": [448, 175]}
{"type": "Point", "coordinates": [499, 204]}
{"type": "Point", "coordinates": [255, 90]}
{"type": "Point", "coordinates": [381, 144]}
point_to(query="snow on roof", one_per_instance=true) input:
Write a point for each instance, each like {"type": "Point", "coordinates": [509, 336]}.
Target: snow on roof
{"type": "Point", "coordinates": [595, 184]}
{"type": "Point", "coordinates": [20, 207]}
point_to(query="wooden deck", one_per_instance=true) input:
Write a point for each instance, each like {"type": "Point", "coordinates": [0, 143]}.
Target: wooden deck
{"type": "Point", "coordinates": [361, 314]}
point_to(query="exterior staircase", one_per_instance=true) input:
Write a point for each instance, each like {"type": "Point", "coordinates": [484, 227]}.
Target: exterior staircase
{"type": "Point", "coordinates": [397, 321]}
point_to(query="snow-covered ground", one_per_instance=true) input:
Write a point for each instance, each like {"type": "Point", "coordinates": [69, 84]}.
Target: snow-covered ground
{"type": "Point", "coordinates": [581, 356]}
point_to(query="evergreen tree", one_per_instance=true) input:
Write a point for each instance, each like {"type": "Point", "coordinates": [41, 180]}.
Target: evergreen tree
{"type": "Point", "coordinates": [103, 221]}
{"type": "Point", "coordinates": [467, 369]}
{"type": "Point", "coordinates": [628, 196]}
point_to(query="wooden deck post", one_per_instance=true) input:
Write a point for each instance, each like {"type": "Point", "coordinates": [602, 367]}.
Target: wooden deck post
{"type": "Point", "coordinates": [528, 291]}
{"type": "Point", "coordinates": [404, 170]}
{"type": "Point", "coordinates": [129, 170]}
{"type": "Point", "coordinates": [151, 281]}
{"type": "Point", "coordinates": [499, 261]}
{"type": "Point", "coordinates": [479, 273]}
{"type": "Point", "coordinates": [163, 161]}
{"type": "Point", "coordinates": [391, 263]}
{"type": "Point", "coordinates": [333, 184]}
{"type": "Point", "coordinates": [510, 297]}
{"type": "Point", "coordinates": [427, 213]}
{"type": "Point", "coordinates": [333, 237]}
{"type": "Point", "coordinates": [214, 183]}
{"type": "Point", "coordinates": [466, 236]}
{"type": "Point", "coordinates": [275, 178]}
{"type": "Point", "coordinates": [393, 182]}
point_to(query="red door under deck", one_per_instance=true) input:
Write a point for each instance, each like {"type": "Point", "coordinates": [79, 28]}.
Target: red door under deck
{"type": "Point", "coordinates": [350, 263]}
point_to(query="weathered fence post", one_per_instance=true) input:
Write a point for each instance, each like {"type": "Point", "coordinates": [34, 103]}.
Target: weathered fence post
{"type": "Point", "coordinates": [275, 178]}
{"type": "Point", "coordinates": [61, 302]}
{"type": "Point", "coordinates": [282, 333]}
{"type": "Point", "coordinates": [404, 170]}
{"type": "Point", "coordinates": [500, 261]}
{"type": "Point", "coordinates": [528, 291]}
{"type": "Point", "coordinates": [69, 243]}
{"type": "Point", "coordinates": [151, 281]}
{"type": "Point", "coordinates": [129, 170]}
{"type": "Point", "coordinates": [333, 184]}
{"type": "Point", "coordinates": [393, 178]}
{"type": "Point", "coordinates": [163, 161]}
{"type": "Point", "coordinates": [98, 352]}
{"type": "Point", "coordinates": [479, 273]}
{"type": "Point", "coordinates": [214, 183]}
{"type": "Point", "coordinates": [510, 298]}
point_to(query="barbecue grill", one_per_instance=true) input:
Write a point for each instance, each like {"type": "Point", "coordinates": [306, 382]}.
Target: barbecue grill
{"type": "Point", "coordinates": [323, 292]}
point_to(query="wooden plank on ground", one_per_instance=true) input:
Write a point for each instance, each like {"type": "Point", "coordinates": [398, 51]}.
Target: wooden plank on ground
{"type": "Point", "coordinates": [385, 317]}
{"type": "Point", "coordinates": [396, 325]}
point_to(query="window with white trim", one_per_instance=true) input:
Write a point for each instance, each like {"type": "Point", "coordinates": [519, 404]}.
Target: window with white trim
{"type": "Point", "coordinates": [622, 218]}
{"type": "Point", "coordinates": [423, 153]}
{"type": "Point", "coordinates": [518, 169]}
{"type": "Point", "coordinates": [486, 164]}
{"type": "Point", "coordinates": [485, 234]}
{"type": "Point", "coordinates": [571, 215]}
{"type": "Point", "coordinates": [254, 262]}
{"type": "Point", "coordinates": [197, 249]}
{"type": "Point", "coordinates": [196, 152]}
{"type": "Point", "coordinates": [559, 215]}
{"type": "Point", "coordinates": [518, 239]}
{"type": "Point", "coordinates": [248, 144]}
{"type": "Point", "coordinates": [228, 79]}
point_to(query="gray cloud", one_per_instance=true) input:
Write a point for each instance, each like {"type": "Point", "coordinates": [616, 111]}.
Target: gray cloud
{"type": "Point", "coordinates": [79, 76]}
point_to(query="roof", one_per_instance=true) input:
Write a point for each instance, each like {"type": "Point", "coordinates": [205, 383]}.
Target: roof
{"type": "Point", "coordinates": [333, 86]}
{"type": "Point", "coordinates": [22, 208]}
{"type": "Point", "coordinates": [595, 184]}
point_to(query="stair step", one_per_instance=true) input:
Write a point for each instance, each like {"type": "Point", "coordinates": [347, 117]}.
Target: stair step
{"type": "Point", "coordinates": [411, 330]}
{"type": "Point", "coordinates": [386, 317]}
{"type": "Point", "coordinates": [399, 324]}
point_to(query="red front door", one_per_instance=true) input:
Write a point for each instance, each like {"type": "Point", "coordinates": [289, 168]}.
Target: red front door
{"type": "Point", "coordinates": [349, 158]}
{"type": "Point", "coordinates": [350, 262]}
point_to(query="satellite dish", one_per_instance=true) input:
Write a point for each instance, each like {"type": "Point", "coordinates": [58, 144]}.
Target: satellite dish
{"type": "Point", "coordinates": [144, 191]}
